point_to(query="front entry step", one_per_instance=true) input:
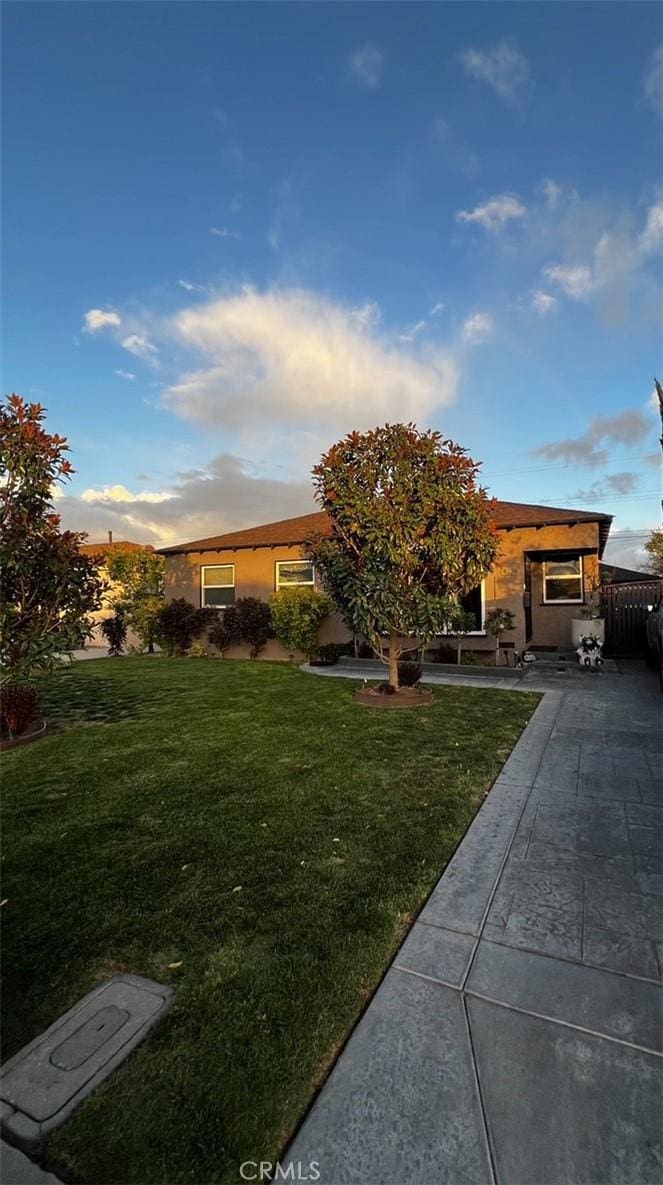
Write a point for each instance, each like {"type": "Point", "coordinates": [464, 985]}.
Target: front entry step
{"type": "Point", "coordinates": [564, 659]}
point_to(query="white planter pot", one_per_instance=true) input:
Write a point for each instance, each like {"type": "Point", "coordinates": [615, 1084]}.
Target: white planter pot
{"type": "Point", "coordinates": [582, 627]}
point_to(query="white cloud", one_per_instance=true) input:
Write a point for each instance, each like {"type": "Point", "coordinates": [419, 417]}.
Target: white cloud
{"type": "Point", "coordinates": [502, 67]}
{"type": "Point", "coordinates": [543, 302]}
{"type": "Point", "coordinates": [126, 374]}
{"type": "Point", "coordinates": [293, 358]}
{"type": "Point", "coordinates": [412, 332]}
{"type": "Point", "coordinates": [574, 279]}
{"type": "Point", "coordinates": [140, 345]}
{"type": "Point", "coordinates": [651, 238]}
{"type": "Point", "coordinates": [119, 493]}
{"type": "Point", "coordinates": [188, 286]}
{"type": "Point", "coordinates": [495, 213]}
{"type": "Point", "coordinates": [437, 308]}
{"type": "Point", "coordinates": [96, 319]}
{"type": "Point", "coordinates": [552, 193]}
{"type": "Point", "coordinates": [477, 328]}
{"type": "Point", "coordinates": [366, 66]}
{"type": "Point", "coordinates": [652, 84]}
{"type": "Point", "coordinates": [223, 232]}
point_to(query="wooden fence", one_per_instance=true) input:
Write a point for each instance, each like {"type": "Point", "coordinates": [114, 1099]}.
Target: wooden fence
{"type": "Point", "coordinates": [625, 608]}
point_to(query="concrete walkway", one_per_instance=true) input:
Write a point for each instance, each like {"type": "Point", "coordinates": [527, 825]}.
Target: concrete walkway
{"type": "Point", "coordinates": [517, 1038]}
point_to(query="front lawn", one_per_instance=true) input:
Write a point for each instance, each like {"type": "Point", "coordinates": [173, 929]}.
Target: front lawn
{"type": "Point", "coordinates": [255, 825]}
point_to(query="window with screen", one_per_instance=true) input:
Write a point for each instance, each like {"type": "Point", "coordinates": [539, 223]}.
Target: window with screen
{"type": "Point", "coordinates": [294, 574]}
{"type": "Point", "coordinates": [562, 581]}
{"type": "Point", "coordinates": [217, 585]}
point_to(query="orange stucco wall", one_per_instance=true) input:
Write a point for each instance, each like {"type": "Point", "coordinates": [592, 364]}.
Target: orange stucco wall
{"type": "Point", "coordinates": [255, 575]}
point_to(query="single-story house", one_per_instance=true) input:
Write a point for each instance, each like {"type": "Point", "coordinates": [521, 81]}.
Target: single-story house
{"type": "Point", "coordinates": [546, 570]}
{"type": "Point", "coordinates": [102, 552]}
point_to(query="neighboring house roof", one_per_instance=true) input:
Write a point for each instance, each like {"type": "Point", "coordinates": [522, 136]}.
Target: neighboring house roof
{"type": "Point", "coordinates": [291, 531]}
{"type": "Point", "coordinates": [618, 575]}
{"type": "Point", "coordinates": [104, 550]}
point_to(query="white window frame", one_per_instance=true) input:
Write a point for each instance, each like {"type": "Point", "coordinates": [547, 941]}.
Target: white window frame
{"type": "Point", "coordinates": [203, 586]}
{"type": "Point", "coordinates": [564, 600]}
{"type": "Point", "coordinates": [481, 633]}
{"type": "Point", "coordinates": [289, 564]}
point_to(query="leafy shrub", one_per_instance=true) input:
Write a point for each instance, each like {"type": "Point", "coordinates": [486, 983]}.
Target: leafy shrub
{"type": "Point", "coordinates": [197, 649]}
{"type": "Point", "coordinates": [409, 673]}
{"type": "Point", "coordinates": [19, 704]}
{"type": "Point", "coordinates": [296, 617]}
{"type": "Point", "coordinates": [227, 628]}
{"type": "Point", "coordinates": [114, 630]}
{"type": "Point", "coordinates": [386, 689]}
{"type": "Point", "coordinates": [365, 650]}
{"type": "Point", "coordinates": [470, 658]}
{"type": "Point", "coordinates": [255, 623]}
{"type": "Point", "coordinates": [179, 622]}
{"type": "Point", "coordinates": [444, 653]}
{"type": "Point", "coordinates": [330, 652]}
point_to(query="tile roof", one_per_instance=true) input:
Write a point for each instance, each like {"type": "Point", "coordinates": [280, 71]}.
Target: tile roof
{"type": "Point", "coordinates": [291, 531]}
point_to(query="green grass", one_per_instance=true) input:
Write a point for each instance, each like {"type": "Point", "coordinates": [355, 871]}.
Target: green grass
{"type": "Point", "coordinates": [256, 825]}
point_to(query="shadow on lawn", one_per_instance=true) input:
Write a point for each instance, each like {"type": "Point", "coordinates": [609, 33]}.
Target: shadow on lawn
{"type": "Point", "coordinates": [70, 702]}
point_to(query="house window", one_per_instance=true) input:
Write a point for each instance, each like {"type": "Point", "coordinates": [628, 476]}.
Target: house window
{"type": "Point", "coordinates": [474, 602]}
{"type": "Point", "coordinates": [562, 581]}
{"type": "Point", "coordinates": [294, 574]}
{"type": "Point", "coordinates": [217, 585]}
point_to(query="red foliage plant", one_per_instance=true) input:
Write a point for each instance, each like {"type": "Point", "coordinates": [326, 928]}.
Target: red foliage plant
{"type": "Point", "coordinates": [19, 704]}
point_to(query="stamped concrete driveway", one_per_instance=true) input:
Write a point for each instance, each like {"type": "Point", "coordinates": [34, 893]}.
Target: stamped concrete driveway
{"type": "Point", "coordinates": [518, 1036]}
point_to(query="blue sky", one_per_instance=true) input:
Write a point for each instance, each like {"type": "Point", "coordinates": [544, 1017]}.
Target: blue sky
{"type": "Point", "coordinates": [234, 232]}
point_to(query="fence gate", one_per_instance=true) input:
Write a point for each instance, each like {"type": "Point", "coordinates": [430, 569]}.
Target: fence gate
{"type": "Point", "coordinates": [625, 611]}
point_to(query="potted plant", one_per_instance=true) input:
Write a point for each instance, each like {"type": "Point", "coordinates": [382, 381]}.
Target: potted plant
{"type": "Point", "coordinates": [590, 623]}
{"type": "Point", "coordinates": [498, 622]}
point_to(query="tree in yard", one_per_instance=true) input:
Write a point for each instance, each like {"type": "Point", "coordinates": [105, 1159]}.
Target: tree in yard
{"type": "Point", "coordinates": [139, 576]}
{"type": "Point", "coordinates": [461, 622]}
{"type": "Point", "coordinates": [411, 532]}
{"type": "Point", "coordinates": [47, 587]}
{"type": "Point", "coordinates": [296, 617]}
{"type": "Point", "coordinates": [654, 549]}
{"type": "Point", "coordinates": [498, 622]}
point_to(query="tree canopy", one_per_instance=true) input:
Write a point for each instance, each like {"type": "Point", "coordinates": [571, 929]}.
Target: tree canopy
{"type": "Point", "coordinates": [654, 549]}
{"type": "Point", "coordinates": [47, 587]}
{"type": "Point", "coordinates": [411, 532]}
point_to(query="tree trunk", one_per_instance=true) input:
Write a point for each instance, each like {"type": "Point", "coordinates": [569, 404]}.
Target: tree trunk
{"type": "Point", "coordinates": [393, 660]}
{"type": "Point", "coordinates": [497, 651]}
{"type": "Point", "coordinates": [459, 646]}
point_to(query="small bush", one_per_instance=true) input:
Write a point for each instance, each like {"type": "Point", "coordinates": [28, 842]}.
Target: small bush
{"type": "Point", "coordinates": [470, 658]}
{"type": "Point", "coordinates": [365, 650]}
{"type": "Point", "coordinates": [386, 689]}
{"type": "Point", "coordinates": [178, 623]}
{"type": "Point", "coordinates": [114, 630]}
{"type": "Point", "coordinates": [19, 705]}
{"type": "Point", "coordinates": [197, 649]}
{"type": "Point", "coordinates": [329, 654]}
{"type": "Point", "coordinates": [227, 629]}
{"type": "Point", "coordinates": [409, 673]}
{"type": "Point", "coordinates": [296, 616]}
{"type": "Point", "coordinates": [255, 623]}
{"type": "Point", "coordinates": [444, 653]}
